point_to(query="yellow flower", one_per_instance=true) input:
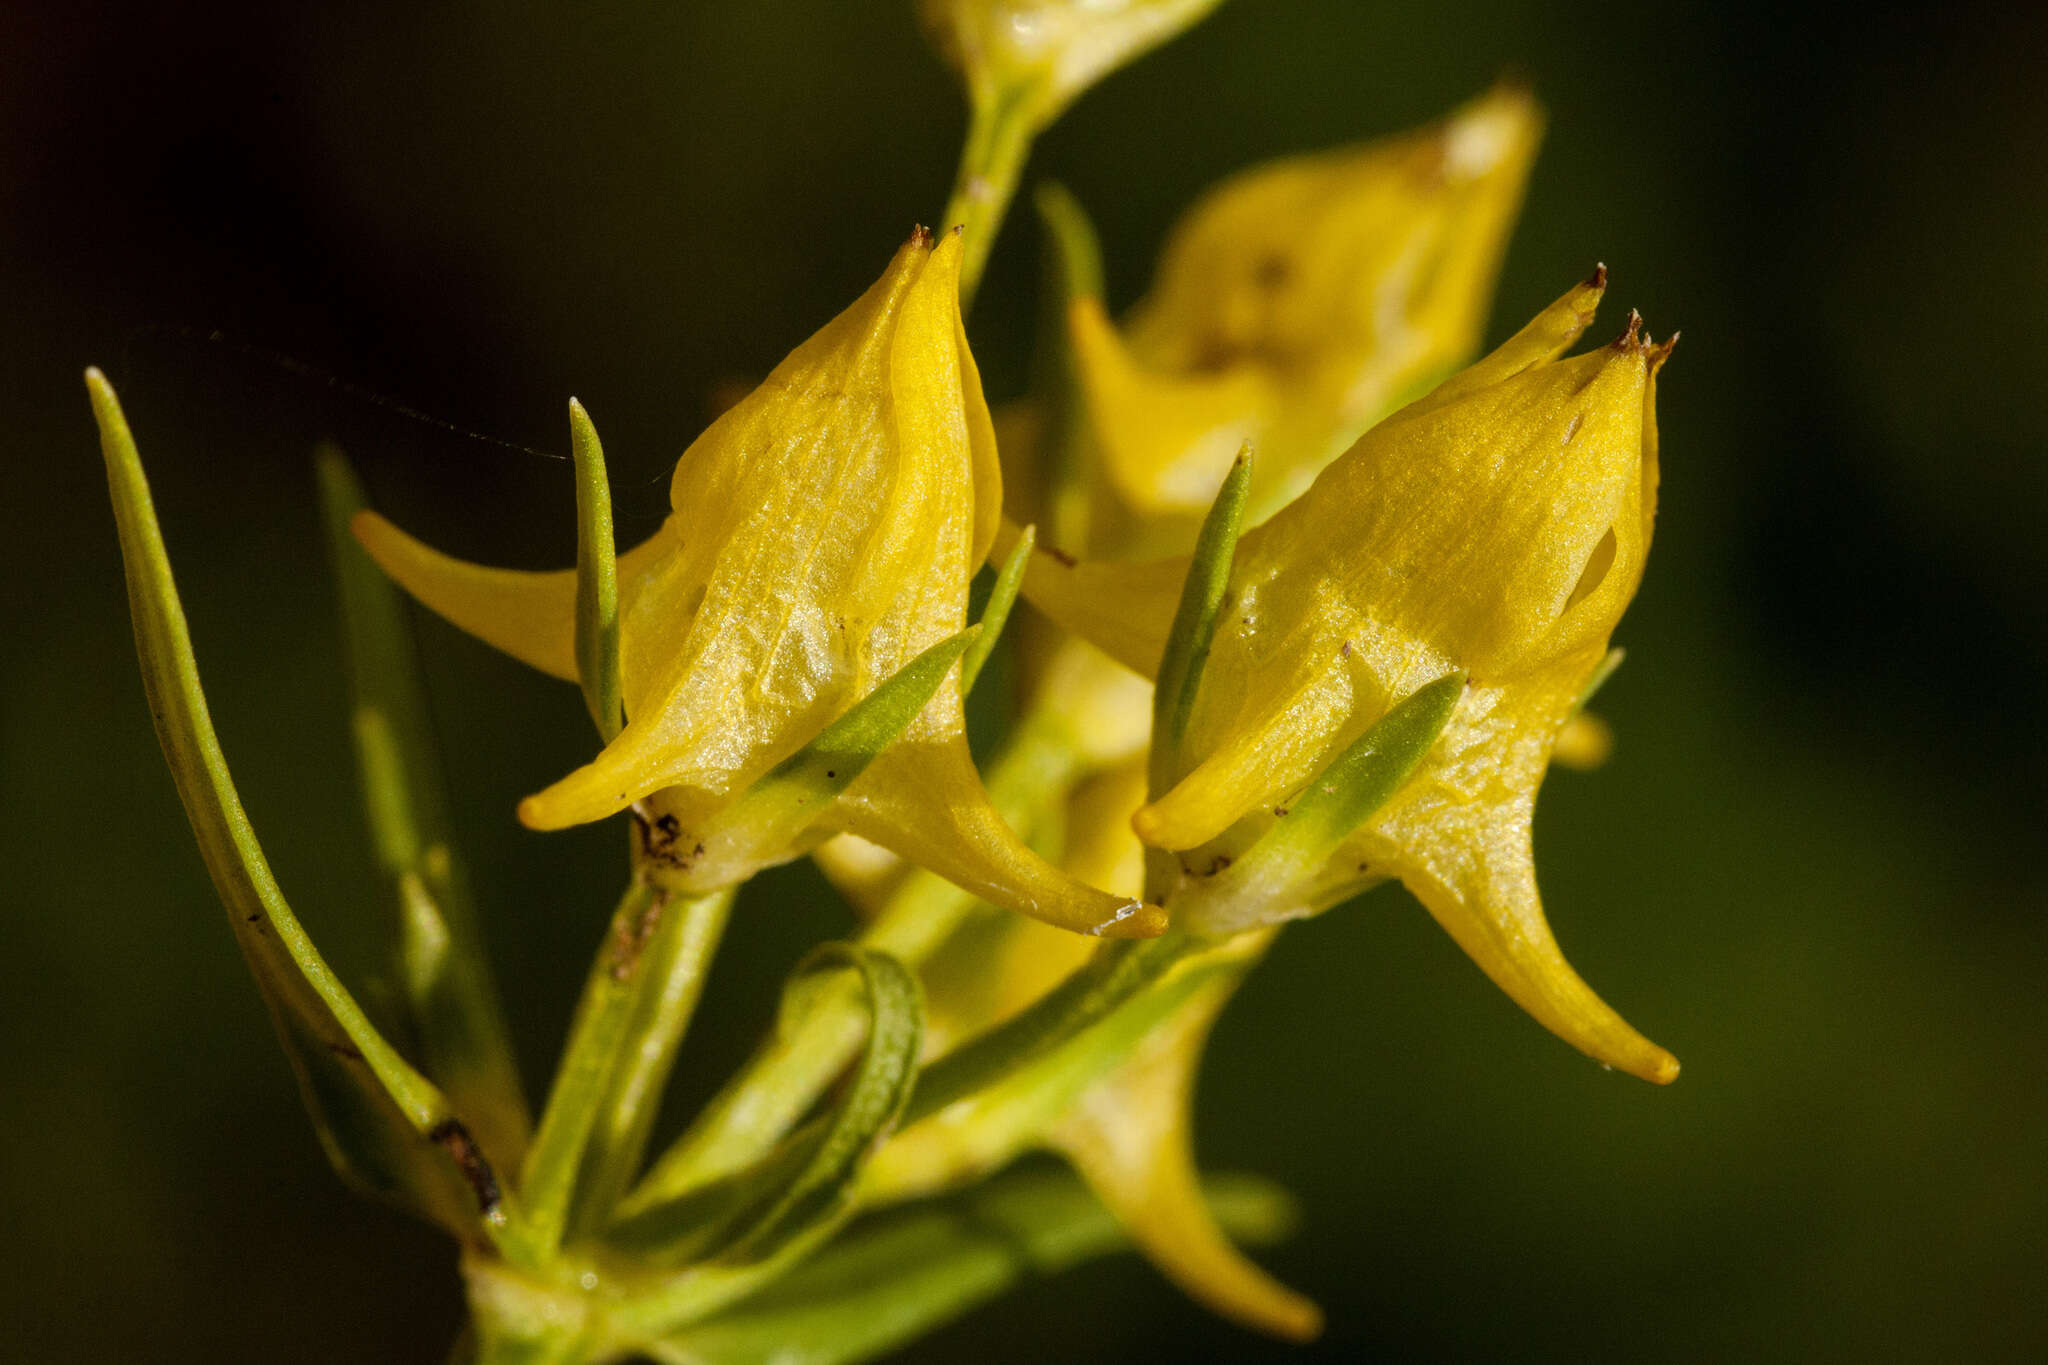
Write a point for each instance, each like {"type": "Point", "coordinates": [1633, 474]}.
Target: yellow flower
{"type": "Point", "coordinates": [1045, 52]}
{"type": "Point", "coordinates": [1131, 1137]}
{"type": "Point", "coordinates": [1297, 304]}
{"type": "Point", "coordinates": [823, 533]}
{"type": "Point", "coordinates": [1498, 525]}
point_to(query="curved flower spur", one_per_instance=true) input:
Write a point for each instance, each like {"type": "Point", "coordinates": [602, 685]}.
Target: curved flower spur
{"type": "Point", "coordinates": [823, 535]}
{"type": "Point", "coordinates": [1470, 554]}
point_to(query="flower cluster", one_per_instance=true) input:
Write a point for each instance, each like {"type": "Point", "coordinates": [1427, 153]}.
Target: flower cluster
{"type": "Point", "coordinates": [1331, 598]}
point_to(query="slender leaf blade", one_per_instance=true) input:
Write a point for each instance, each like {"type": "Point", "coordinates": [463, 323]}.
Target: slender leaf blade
{"type": "Point", "coordinates": [1346, 794]}
{"type": "Point", "coordinates": [597, 579]}
{"type": "Point", "coordinates": [384, 1125]}
{"type": "Point", "coordinates": [1194, 625]}
{"type": "Point", "coordinates": [454, 1000]}
{"type": "Point", "coordinates": [996, 614]}
{"type": "Point", "coordinates": [750, 1228]}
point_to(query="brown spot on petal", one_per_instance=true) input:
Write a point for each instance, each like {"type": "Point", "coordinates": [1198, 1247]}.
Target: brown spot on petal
{"type": "Point", "coordinates": [1627, 340]}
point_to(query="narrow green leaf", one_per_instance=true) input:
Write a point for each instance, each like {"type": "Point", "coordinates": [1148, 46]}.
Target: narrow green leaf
{"type": "Point", "coordinates": [1608, 664]}
{"type": "Point", "coordinates": [1346, 794]}
{"type": "Point", "coordinates": [597, 579]}
{"type": "Point", "coordinates": [900, 1274]}
{"type": "Point", "coordinates": [1118, 971]}
{"type": "Point", "coordinates": [996, 614]}
{"type": "Point", "coordinates": [1010, 1097]}
{"type": "Point", "coordinates": [454, 1001]}
{"type": "Point", "coordinates": [1194, 625]}
{"type": "Point", "coordinates": [385, 1127]}
{"type": "Point", "coordinates": [752, 1227]}
{"type": "Point", "coordinates": [771, 814]}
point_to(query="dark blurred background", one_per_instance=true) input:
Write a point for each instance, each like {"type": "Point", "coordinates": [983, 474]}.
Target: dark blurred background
{"type": "Point", "coordinates": [1813, 868]}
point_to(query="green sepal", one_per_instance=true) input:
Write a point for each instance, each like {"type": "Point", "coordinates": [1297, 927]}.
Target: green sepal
{"type": "Point", "coordinates": [1346, 794]}
{"type": "Point", "coordinates": [1194, 625]}
{"type": "Point", "coordinates": [749, 1228]}
{"type": "Point", "coordinates": [771, 815]}
{"type": "Point", "coordinates": [385, 1127]}
{"type": "Point", "coordinates": [597, 580]}
{"type": "Point", "coordinates": [453, 1001]}
{"type": "Point", "coordinates": [897, 1275]}
{"type": "Point", "coordinates": [996, 614]}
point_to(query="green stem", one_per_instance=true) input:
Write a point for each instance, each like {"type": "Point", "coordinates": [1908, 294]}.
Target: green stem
{"type": "Point", "coordinates": [1031, 776]}
{"type": "Point", "coordinates": [999, 133]}
{"type": "Point", "coordinates": [671, 977]}
{"type": "Point", "coordinates": [635, 1004]}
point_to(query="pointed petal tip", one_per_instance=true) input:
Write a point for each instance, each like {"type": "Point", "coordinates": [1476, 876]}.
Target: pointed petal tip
{"type": "Point", "coordinates": [1598, 279]}
{"type": "Point", "coordinates": [920, 236]}
{"type": "Point", "coordinates": [1634, 1055]}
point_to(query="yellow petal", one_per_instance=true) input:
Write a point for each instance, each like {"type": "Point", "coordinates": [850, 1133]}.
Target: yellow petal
{"type": "Point", "coordinates": [1459, 838]}
{"type": "Point", "coordinates": [1124, 610]}
{"type": "Point", "coordinates": [924, 800]}
{"type": "Point", "coordinates": [530, 616]}
{"type": "Point", "coordinates": [1298, 303]}
{"type": "Point", "coordinates": [1001, 964]}
{"type": "Point", "coordinates": [830, 522]}
{"type": "Point", "coordinates": [1130, 1136]}
{"type": "Point", "coordinates": [1165, 440]}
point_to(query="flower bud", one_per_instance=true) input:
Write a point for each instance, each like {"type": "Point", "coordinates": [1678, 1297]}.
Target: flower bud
{"type": "Point", "coordinates": [823, 534]}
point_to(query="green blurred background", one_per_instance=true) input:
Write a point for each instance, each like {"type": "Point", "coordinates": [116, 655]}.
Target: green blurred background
{"type": "Point", "coordinates": [1813, 868]}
